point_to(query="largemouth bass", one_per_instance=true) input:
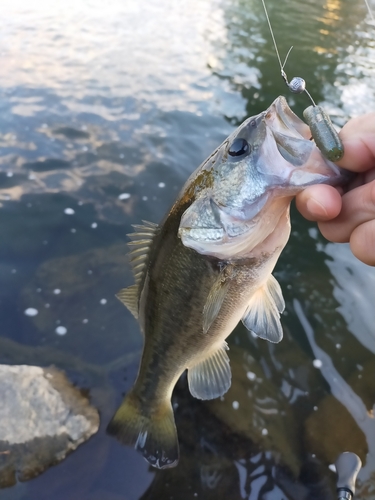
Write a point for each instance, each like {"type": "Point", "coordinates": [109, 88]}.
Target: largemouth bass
{"type": "Point", "coordinates": [208, 266]}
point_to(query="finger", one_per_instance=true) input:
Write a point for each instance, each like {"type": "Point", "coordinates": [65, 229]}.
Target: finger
{"type": "Point", "coordinates": [358, 207]}
{"type": "Point", "coordinates": [362, 242]}
{"type": "Point", "coordinates": [319, 202]}
{"type": "Point", "coordinates": [358, 137]}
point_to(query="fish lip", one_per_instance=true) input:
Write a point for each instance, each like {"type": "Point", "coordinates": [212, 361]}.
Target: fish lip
{"type": "Point", "coordinates": [200, 234]}
{"type": "Point", "coordinates": [297, 127]}
{"type": "Point", "coordinates": [288, 131]}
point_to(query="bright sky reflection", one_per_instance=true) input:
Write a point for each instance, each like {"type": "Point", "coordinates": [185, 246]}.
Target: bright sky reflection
{"type": "Point", "coordinates": [88, 48]}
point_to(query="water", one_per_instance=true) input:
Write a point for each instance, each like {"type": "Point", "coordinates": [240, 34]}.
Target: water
{"type": "Point", "coordinates": [105, 110]}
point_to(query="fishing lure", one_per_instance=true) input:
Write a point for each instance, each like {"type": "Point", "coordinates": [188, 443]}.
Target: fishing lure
{"type": "Point", "coordinates": [322, 129]}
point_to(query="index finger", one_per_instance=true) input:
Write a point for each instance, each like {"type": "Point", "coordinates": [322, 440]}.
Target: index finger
{"type": "Point", "coordinates": [358, 137]}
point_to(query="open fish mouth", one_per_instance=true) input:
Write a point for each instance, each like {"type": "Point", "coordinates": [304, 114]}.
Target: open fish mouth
{"type": "Point", "coordinates": [288, 122]}
{"type": "Point", "coordinates": [292, 136]}
{"type": "Point", "coordinates": [288, 149]}
{"type": "Point", "coordinates": [304, 163]}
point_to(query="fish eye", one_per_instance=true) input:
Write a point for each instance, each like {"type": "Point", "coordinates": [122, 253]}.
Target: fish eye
{"type": "Point", "coordinates": [239, 147]}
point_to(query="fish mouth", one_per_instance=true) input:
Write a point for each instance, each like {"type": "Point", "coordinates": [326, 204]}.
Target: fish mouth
{"type": "Point", "coordinates": [289, 120]}
{"type": "Point", "coordinates": [289, 132]}
{"type": "Point", "coordinates": [303, 163]}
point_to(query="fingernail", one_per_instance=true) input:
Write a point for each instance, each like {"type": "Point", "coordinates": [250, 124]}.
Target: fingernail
{"type": "Point", "coordinates": [316, 209]}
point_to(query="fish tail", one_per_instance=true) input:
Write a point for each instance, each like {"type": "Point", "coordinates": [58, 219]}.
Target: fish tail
{"type": "Point", "coordinates": [152, 432]}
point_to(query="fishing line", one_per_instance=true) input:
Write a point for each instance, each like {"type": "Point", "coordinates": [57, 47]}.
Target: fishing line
{"type": "Point", "coordinates": [273, 38]}
{"type": "Point", "coordinates": [297, 85]}
{"type": "Point", "coordinates": [322, 130]}
{"type": "Point", "coordinates": [369, 10]}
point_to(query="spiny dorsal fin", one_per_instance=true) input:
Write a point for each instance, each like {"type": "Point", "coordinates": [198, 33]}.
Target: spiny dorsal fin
{"type": "Point", "coordinates": [216, 298]}
{"type": "Point", "coordinates": [140, 247]}
{"type": "Point", "coordinates": [211, 377]}
{"type": "Point", "coordinates": [262, 315]}
{"type": "Point", "coordinates": [129, 297]}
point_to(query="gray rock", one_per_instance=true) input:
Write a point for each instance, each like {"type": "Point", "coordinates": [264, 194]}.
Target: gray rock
{"type": "Point", "coordinates": [42, 418]}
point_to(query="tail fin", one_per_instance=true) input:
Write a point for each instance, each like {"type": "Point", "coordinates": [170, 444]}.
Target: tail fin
{"type": "Point", "coordinates": [152, 433]}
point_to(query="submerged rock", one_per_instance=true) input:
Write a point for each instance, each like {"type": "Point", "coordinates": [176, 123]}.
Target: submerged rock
{"type": "Point", "coordinates": [346, 423]}
{"type": "Point", "coordinates": [255, 408]}
{"type": "Point", "coordinates": [42, 418]}
{"type": "Point", "coordinates": [78, 293]}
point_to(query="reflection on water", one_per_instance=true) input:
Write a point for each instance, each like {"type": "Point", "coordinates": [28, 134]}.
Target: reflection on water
{"type": "Point", "coordinates": [357, 298]}
{"type": "Point", "coordinates": [105, 111]}
{"type": "Point", "coordinates": [346, 397]}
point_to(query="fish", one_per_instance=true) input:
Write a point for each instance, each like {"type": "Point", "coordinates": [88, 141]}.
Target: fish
{"type": "Point", "coordinates": [208, 266]}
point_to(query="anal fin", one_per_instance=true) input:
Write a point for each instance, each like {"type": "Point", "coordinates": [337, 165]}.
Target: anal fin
{"type": "Point", "coordinates": [262, 315]}
{"type": "Point", "coordinates": [211, 377]}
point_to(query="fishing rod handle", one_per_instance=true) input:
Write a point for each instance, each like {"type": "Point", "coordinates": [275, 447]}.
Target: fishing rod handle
{"type": "Point", "coordinates": [344, 495]}
{"type": "Point", "coordinates": [347, 466]}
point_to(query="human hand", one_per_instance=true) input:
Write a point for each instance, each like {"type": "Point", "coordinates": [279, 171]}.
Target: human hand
{"type": "Point", "coordinates": [350, 216]}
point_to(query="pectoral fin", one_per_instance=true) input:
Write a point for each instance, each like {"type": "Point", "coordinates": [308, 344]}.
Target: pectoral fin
{"type": "Point", "coordinates": [262, 315]}
{"type": "Point", "coordinates": [211, 377]}
{"type": "Point", "coordinates": [214, 302]}
{"type": "Point", "coordinates": [216, 297]}
{"type": "Point", "coordinates": [274, 289]}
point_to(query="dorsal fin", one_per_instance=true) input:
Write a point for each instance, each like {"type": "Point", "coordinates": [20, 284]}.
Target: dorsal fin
{"type": "Point", "coordinates": [140, 247]}
{"type": "Point", "coordinates": [138, 256]}
{"type": "Point", "coordinates": [129, 297]}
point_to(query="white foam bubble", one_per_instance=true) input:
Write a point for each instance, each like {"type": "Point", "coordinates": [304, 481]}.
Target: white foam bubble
{"type": "Point", "coordinates": [235, 405]}
{"type": "Point", "coordinates": [57, 291]}
{"type": "Point", "coordinates": [124, 196]}
{"type": "Point", "coordinates": [317, 363]}
{"type": "Point", "coordinates": [61, 330]}
{"type": "Point", "coordinates": [69, 211]}
{"type": "Point", "coordinates": [30, 311]}
{"type": "Point", "coordinates": [103, 301]}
